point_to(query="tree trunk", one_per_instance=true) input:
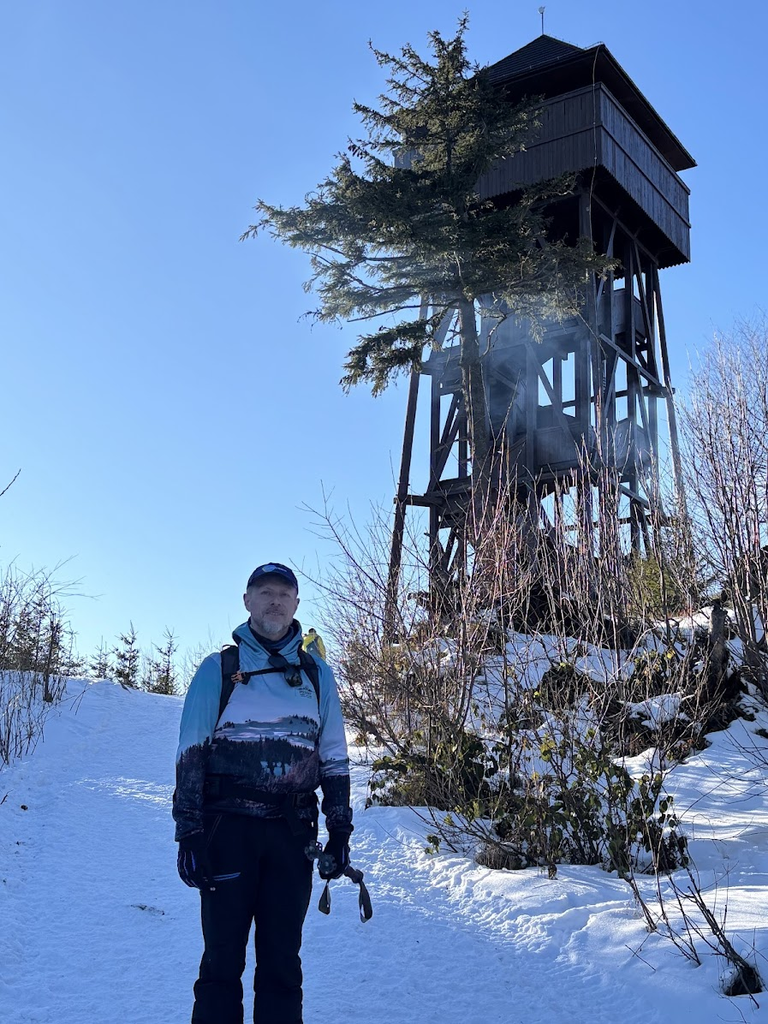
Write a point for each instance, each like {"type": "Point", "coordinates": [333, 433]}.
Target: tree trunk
{"type": "Point", "coordinates": [478, 420]}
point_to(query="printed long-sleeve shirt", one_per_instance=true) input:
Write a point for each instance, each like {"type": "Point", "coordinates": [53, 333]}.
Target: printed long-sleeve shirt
{"type": "Point", "coordinates": [272, 737]}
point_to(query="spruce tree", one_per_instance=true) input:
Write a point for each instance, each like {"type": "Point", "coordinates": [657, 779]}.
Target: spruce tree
{"type": "Point", "coordinates": [100, 666]}
{"type": "Point", "coordinates": [160, 671]}
{"type": "Point", "coordinates": [400, 220]}
{"type": "Point", "coordinates": [29, 632]}
{"type": "Point", "coordinates": [127, 659]}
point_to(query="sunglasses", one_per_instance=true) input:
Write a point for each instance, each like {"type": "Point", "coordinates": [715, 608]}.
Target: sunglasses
{"type": "Point", "coordinates": [292, 672]}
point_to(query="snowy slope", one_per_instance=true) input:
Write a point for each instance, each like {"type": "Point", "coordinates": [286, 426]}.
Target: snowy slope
{"type": "Point", "coordinates": [96, 927]}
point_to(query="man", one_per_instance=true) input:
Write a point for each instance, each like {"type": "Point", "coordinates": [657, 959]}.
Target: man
{"type": "Point", "coordinates": [245, 805]}
{"type": "Point", "coordinates": [313, 643]}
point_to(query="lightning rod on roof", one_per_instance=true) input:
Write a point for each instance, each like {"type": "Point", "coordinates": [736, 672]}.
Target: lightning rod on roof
{"type": "Point", "coordinates": [541, 12]}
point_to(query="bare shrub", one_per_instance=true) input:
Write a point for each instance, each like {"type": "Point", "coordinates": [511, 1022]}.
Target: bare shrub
{"type": "Point", "coordinates": [504, 700]}
{"type": "Point", "coordinates": [724, 435]}
{"type": "Point", "coordinates": [684, 913]}
{"type": "Point", "coordinates": [36, 656]}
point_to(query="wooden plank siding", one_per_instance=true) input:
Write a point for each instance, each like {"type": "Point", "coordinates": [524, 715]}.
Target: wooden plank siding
{"type": "Point", "coordinates": [646, 158]}
{"type": "Point", "coordinates": [587, 129]}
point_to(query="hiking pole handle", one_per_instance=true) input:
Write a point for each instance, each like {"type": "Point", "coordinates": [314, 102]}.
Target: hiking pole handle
{"type": "Point", "coordinates": [324, 861]}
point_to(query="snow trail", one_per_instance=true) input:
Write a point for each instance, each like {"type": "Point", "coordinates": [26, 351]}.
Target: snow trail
{"type": "Point", "coordinates": [96, 927]}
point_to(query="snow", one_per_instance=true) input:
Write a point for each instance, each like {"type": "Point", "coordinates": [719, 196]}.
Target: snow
{"type": "Point", "coordinates": [96, 927]}
{"type": "Point", "coordinates": [656, 711]}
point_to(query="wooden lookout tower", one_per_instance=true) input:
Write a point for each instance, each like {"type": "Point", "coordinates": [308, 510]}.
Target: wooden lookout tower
{"type": "Point", "coordinates": [592, 384]}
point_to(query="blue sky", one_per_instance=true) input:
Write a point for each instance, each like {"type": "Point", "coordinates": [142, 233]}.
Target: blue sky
{"type": "Point", "coordinates": [169, 409]}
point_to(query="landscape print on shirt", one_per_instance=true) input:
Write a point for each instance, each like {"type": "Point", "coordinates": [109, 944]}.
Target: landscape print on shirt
{"type": "Point", "coordinates": [268, 736]}
{"type": "Point", "coordinates": [270, 755]}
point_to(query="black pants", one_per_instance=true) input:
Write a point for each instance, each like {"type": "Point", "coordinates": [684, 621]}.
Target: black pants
{"type": "Point", "coordinates": [263, 875]}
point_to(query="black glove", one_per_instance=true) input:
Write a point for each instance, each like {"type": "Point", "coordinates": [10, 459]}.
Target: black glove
{"type": "Point", "coordinates": [335, 858]}
{"type": "Point", "coordinates": [192, 862]}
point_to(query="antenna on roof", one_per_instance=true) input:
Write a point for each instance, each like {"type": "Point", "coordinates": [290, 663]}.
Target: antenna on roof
{"type": "Point", "coordinates": [541, 12]}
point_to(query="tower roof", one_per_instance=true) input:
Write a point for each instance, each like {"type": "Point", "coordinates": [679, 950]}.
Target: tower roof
{"type": "Point", "coordinates": [541, 52]}
{"type": "Point", "coordinates": [548, 66]}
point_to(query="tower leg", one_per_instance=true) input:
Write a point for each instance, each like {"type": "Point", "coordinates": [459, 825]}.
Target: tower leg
{"type": "Point", "coordinates": [396, 553]}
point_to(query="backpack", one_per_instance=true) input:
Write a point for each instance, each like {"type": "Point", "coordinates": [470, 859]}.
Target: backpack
{"type": "Point", "coordinates": [230, 668]}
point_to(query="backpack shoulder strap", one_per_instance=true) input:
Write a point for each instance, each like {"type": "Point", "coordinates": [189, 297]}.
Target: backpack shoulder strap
{"type": "Point", "coordinates": [230, 665]}
{"type": "Point", "coordinates": [310, 666]}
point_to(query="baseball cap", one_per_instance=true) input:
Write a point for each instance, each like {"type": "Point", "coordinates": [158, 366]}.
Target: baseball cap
{"type": "Point", "coordinates": [273, 569]}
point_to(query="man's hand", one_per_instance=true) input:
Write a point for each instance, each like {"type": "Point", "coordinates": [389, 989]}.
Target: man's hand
{"type": "Point", "coordinates": [192, 862]}
{"type": "Point", "coordinates": [335, 858]}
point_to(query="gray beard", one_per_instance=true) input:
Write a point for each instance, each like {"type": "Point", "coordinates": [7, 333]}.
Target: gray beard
{"type": "Point", "coordinates": [270, 629]}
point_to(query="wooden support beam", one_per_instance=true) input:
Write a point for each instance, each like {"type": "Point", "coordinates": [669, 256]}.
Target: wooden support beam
{"type": "Point", "coordinates": [614, 215]}
{"type": "Point", "coordinates": [630, 362]}
{"type": "Point", "coordinates": [674, 444]}
{"type": "Point", "coordinates": [434, 429]}
{"type": "Point", "coordinates": [531, 410]}
{"type": "Point", "coordinates": [609, 253]}
{"type": "Point", "coordinates": [648, 311]}
{"type": "Point", "coordinates": [448, 436]}
{"type": "Point", "coordinates": [443, 327]}
{"type": "Point", "coordinates": [566, 422]}
{"type": "Point", "coordinates": [463, 443]}
{"type": "Point", "coordinates": [396, 551]}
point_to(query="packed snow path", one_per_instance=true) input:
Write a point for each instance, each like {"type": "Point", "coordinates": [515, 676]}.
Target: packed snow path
{"type": "Point", "coordinates": [96, 928]}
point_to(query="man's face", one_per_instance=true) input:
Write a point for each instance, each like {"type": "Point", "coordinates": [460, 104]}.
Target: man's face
{"type": "Point", "coordinates": [271, 604]}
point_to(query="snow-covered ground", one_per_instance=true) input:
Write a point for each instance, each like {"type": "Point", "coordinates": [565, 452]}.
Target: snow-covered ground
{"type": "Point", "coordinates": [96, 928]}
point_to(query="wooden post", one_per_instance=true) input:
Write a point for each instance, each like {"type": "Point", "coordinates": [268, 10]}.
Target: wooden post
{"type": "Point", "coordinates": [674, 443]}
{"type": "Point", "coordinates": [718, 652]}
{"type": "Point", "coordinates": [396, 554]}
